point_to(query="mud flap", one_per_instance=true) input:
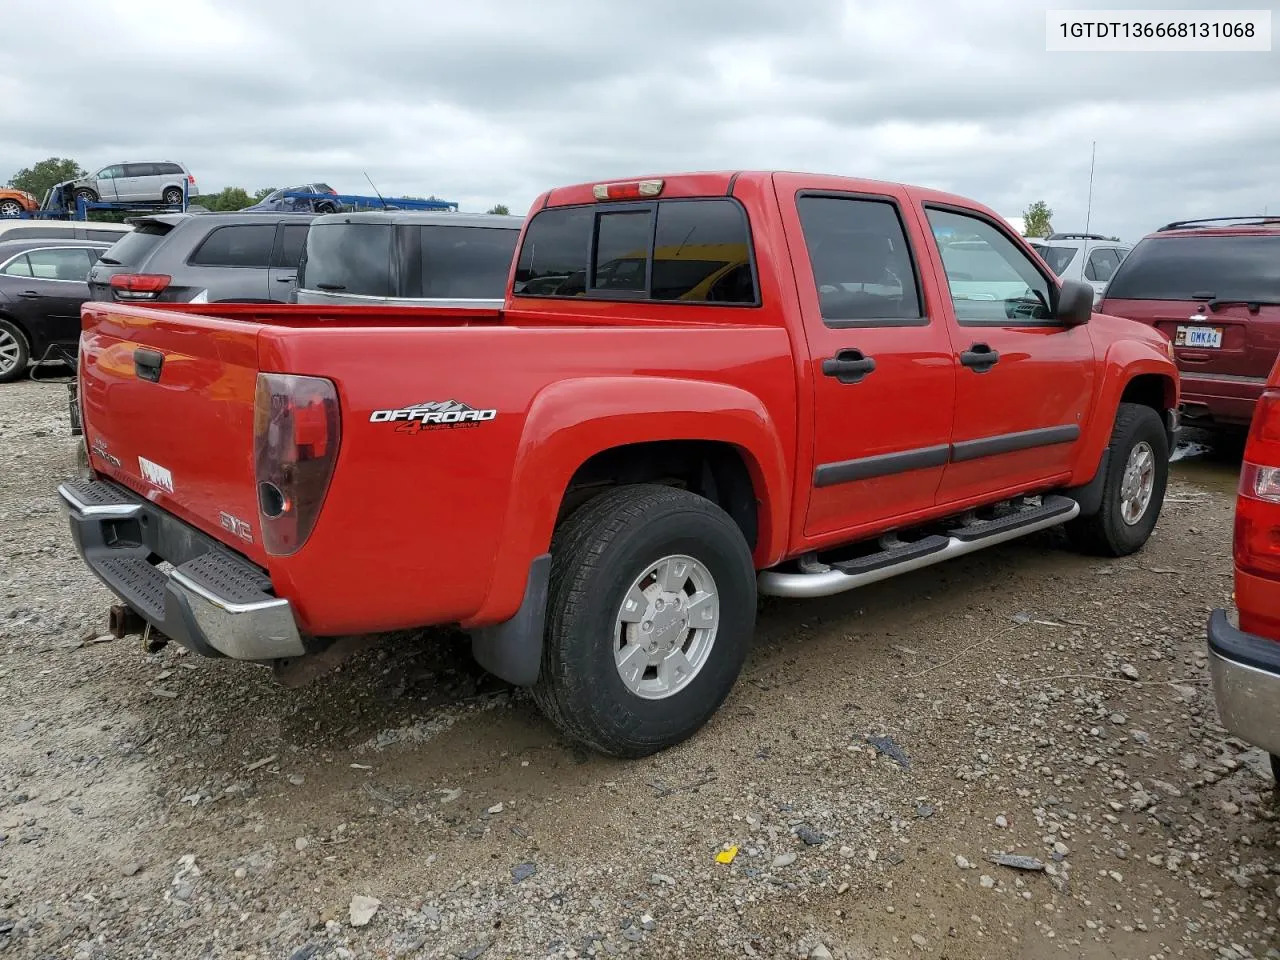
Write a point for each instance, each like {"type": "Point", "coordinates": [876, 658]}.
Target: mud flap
{"type": "Point", "coordinates": [1089, 495]}
{"type": "Point", "coordinates": [512, 650]}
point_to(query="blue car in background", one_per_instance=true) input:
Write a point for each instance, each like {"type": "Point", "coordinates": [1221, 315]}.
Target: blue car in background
{"type": "Point", "coordinates": [277, 202]}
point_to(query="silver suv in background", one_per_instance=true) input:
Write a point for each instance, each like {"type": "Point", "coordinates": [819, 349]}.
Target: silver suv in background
{"type": "Point", "coordinates": [1088, 257]}
{"type": "Point", "coordinates": [209, 257]}
{"type": "Point", "coordinates": [408, 259]}
{"type": "Point", "coordinates": [157, 181]}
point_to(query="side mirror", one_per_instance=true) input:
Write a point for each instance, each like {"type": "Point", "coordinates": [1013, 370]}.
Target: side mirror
{"type": "Point", "coordinates": [1075, 303]}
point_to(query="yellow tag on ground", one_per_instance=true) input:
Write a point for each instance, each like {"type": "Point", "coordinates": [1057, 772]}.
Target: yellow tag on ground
{"type": "Point", "coordinates": [726, 856]}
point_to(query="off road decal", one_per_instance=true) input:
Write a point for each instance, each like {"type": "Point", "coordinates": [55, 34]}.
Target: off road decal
{"type": "Point", "coordinates": [155, 474]}
{"type": "Point", "coordinates": [434, 415]}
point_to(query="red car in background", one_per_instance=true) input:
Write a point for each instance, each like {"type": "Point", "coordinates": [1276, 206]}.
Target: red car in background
{"type": "Point", "coordinates": [1245, 660]}
{"type": "Point", "coordinates": [1213, 287]}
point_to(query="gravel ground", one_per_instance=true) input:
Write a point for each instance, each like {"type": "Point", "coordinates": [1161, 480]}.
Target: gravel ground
{"type": "Point", "coordinates": [880, 752]}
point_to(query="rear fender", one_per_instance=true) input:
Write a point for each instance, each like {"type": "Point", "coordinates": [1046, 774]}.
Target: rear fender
{"type": "Point", "coordinates": [619, 411]}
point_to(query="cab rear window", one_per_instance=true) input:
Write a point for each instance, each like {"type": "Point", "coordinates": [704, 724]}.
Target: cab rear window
{"type": "Point", "coordinates": [1200, 268]}
{"type": "Point", "coordinates": [688, 251]}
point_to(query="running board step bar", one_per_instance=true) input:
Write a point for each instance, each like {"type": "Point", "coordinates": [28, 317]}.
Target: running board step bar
{"type": "Point", "coordinates": [901, 557]}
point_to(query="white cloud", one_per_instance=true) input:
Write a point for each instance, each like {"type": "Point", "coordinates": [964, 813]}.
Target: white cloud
{"type": "Point", "coordinates": [497, 100]}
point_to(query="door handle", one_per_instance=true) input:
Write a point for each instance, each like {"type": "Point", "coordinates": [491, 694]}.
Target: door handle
{"type": "Point", "coordinates": [980, 358]}
{"type": "Point", "coordinates": [286, 279]}
{"type": "Point", "coordinates": [848, 366]}
{"type": "Point", "coordinates": [147, 364]}
{"type": "Point", "coordinates": [30, 295]}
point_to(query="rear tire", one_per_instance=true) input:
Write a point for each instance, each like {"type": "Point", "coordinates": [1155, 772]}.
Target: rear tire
{"type": "Point", "coordinates": [172, 196]}
{"type": "Point", "coordinates": [1119, 528]}
{"type": "Point", "coordinates": [679, 555]}
{"type": "Point", "coordinates": [15, 352]}
{"type": "Point", "coordinates": [10, 208]}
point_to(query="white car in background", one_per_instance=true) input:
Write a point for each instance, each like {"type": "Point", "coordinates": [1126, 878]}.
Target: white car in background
{"type": "Point", "coordinates": [1087, 257]}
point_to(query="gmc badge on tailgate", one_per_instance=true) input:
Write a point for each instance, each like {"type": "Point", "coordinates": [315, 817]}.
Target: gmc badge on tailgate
{"type": "Point", "coordinates": [236, 525]}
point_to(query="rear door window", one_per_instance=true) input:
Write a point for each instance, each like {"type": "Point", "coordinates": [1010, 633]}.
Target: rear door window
{"type": "Point", "coordinates": [1200, 268]}
{"type": "Point", "coordinates": [247, 245]}
{"type": "Point", "coordinates": [139, 169]}
{"type": "Point", "coordinates": [466, 263]}
{"type": "Point", "coordinates": [289, 245]}
{"type": "Point", "coordinates": [1102, 264]}
{"type": "Point", "coordinates": [60, 263]}
{"type": "Point", "coordinates": [862, 267]}
{"type": "Point", "coordinates": [351, 258]}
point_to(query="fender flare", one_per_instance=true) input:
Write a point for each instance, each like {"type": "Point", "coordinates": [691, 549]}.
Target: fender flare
{"type": "Point", "coordinates": [572, 420]}
{"type": "Point", "coordinates": [1125, 360]}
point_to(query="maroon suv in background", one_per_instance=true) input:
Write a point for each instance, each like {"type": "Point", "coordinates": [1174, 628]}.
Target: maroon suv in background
{"type": "Point", "coordinates": [1213, 287]}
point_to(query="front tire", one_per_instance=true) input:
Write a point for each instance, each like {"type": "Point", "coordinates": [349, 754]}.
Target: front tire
{"type": "Point", "coordinates": [1137, 474]}
{"type": "Point", "coordinates": [650, 614]}
{"type": "Point", "coordinates": [15, 352]}
{"type": "Point", "coordinates": [10, 208]}
{"type": "Point", "coordinates": [87, 195]}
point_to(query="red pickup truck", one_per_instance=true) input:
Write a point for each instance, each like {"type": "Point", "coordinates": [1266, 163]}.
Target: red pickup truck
{"type": "Point", "coordinates": [700, 387]}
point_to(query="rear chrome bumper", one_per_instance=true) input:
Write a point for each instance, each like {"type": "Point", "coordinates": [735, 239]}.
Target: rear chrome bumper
{"type": "Point", "coordinates": [210, 600]}
{"type": "Point", "coordinates": [1246, 682]}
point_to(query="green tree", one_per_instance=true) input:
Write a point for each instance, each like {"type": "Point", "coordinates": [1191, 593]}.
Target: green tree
{"type": "Point", "coordinates": [37, 180]}
{"type": "Point", "coordinates": [226, 200]}
{"type": "Point", "coordinates": [500, 209]}
{"type": "Point", "coordinates": [259, 195]}
{"type": "Point", "coordinates": [1038, 217]}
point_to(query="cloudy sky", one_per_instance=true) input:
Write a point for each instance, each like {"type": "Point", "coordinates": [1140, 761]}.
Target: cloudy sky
{"type": "Point", "coordinates": [485, 101]}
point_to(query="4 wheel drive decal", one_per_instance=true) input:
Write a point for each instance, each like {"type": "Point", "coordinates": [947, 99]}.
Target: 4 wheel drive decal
{"type": "Point", "coordinates": [433, 415]}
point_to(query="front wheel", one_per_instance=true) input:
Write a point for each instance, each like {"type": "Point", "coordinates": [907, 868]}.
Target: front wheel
{"type": "Point", "coordinates": [87, 195]}
{"type": "Point", "coordinates": [1133, 492]}
{"type": "Point", "coordinates": [650, 614]}
{"type": "Point", "coordinates": [10, 208]}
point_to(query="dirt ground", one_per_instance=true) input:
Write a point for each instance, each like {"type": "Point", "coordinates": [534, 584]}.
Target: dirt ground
{"type": "Point", "coordinates": [1035, 702]}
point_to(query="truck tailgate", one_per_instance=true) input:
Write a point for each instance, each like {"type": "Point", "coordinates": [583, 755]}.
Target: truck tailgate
{"type": "Point", "coordinates": [168, 403]}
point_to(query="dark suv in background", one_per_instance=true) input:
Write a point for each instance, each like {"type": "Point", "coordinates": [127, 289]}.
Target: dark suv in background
{"type": "Point", "coordinates": [213, 257]}
{"type": "Point", "coordinates": [1213, 287]}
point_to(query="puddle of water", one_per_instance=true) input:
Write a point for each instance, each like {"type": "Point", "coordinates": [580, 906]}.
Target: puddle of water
{"type": "Point", "coordinates": [1184, 451]}
{"type": "Point", "coordinates": [1208, 467]}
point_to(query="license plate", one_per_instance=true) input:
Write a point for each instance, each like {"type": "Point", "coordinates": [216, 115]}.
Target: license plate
{"type": "Point", "coordinates": [1198, 337]}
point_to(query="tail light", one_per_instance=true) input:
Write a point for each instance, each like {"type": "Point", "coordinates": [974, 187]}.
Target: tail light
{"type": "Point", "coordinates": [1257, 527]}
{"type": "Point", "coordinates": [296, 431]}
{"type": "Point", "coordinates": [139, 286]}
{"type": "Point", "coordinates": [191, 180]}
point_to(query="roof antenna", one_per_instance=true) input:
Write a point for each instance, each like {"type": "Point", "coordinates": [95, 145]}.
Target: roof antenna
{"type": "Point", "coordinates": [1088, 210]}
{"type": "Point", "coordinates": [375, 188]}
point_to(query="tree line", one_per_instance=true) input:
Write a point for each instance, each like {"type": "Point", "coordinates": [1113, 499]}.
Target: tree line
{"type": "Point", "coordinates": [39, 178]}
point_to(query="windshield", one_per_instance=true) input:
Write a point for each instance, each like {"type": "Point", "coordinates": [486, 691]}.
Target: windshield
{"type": "Point", "coordinates": [1056, 257]}
{"type": "Point", "coordinates": [1200, 268]}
